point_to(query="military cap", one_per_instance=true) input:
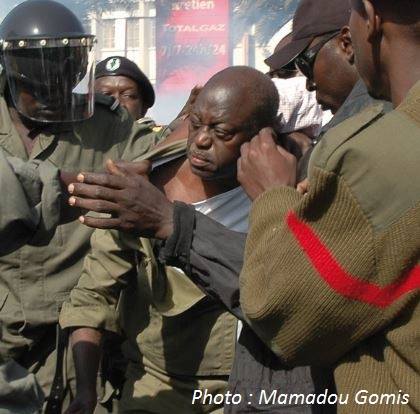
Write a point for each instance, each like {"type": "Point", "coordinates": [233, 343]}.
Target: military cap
{"type": "Point", "coordinates": [312, 18]}
{"type": "Point", "coordinates": [121, 66]}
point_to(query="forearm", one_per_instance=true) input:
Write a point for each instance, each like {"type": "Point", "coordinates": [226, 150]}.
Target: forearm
{"type": "Point", "coordinates": [209, 253]}
{"type": "Point", "coordinates": [311, 273]}
{"type": "Point", "coordinates": [86, 347]}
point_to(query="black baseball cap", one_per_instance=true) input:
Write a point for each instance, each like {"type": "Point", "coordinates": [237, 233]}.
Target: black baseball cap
{"type": "Point", "coordinates": [312, 18]}
{"type": "Point", "coordinates": [121, 66]}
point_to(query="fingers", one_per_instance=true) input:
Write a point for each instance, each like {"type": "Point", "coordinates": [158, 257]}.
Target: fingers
{"type": "Point", "coordinates": [95, 192]}
{"type": "Point", "coordinates": [268, 137]}
{"type": "Point", "coordinates": [264, 140]}
{"type": "Point", "coordinates": [194, 93]}
{"type": "Point", "coordinates": [100, 223]}
{"type": "Point", "coordinates": [242, 161]}
{"type": "Point", "coordinates": [99, 206]}
{"type": "Point", "coordinates": [103, 180]}
{"type": "Point", "coordinates": [268, 133]}
{"type": "Point", "coordinates": [239, 171]}
{"type": "Point", "coordinates": [113, 169]}
{"type": "Point", "coordinates": [244, 150]}
{"type": "Point", "coordinates": [303, 187]}
{"type": "Point", "coordinates": [252, 151]}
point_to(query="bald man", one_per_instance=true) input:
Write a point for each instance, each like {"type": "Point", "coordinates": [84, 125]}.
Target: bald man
{"type": "Point", "coordinates": [184, 340]}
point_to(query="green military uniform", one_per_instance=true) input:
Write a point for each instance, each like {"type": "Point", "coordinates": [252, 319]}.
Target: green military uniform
{"type": "Point", "coordinates": [36, 278]}
{"type": "Point", "coordinates": [178, 339]}
{"type": "Point", "coordinates": [333, 277]}
{"type": "Point", "coordinates": [36, 191]}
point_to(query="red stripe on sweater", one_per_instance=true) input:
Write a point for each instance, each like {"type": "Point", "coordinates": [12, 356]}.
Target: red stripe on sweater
{"type": "Point", "coordinates": [342, 282]}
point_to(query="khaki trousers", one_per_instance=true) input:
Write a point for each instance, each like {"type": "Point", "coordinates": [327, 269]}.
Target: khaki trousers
{"type": "Point", "coordinates": [156, 393]}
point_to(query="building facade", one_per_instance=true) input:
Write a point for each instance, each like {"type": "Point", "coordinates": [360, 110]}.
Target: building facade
{"type": "Point", "coordinates": [133, 34]}
{"type": "Point", "coordinates": [128, 33]}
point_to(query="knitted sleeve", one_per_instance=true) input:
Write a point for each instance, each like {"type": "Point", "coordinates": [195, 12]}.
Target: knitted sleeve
{"type": "Point", "coordinates": [318, 278]}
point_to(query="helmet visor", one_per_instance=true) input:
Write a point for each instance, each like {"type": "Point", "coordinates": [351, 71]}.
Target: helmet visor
{"type": "Point", "coordinates": [52, 83]}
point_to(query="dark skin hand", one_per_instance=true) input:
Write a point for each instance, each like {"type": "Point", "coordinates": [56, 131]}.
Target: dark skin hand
{"type": "Point", "coordinates": [67, 178]}
{"type": "Point", "coordinates": [303, 187]}
{"type": "Point", "coordinates": [264, 165]}
{"type": "Point", "coordinates": [67, 215]}
{"type": "Point", "coordinates": [178, 134]}
{"type": "Point", "coordinates": [186, 110]}
{"type": "Point", "coordinates": [137, 206]}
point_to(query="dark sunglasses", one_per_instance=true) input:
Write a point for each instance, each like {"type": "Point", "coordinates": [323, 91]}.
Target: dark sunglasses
{"type": "Point", "coordinates": [306, 60]}
{"type": "Point", "coordinates": [281, 73]}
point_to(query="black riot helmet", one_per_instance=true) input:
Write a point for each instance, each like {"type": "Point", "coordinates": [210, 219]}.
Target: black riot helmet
{"type": "Point", "coordinates": [49, 62]}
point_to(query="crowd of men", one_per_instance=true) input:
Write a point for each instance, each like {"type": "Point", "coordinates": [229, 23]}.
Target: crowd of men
{"type": "Point", "coordinates": [255, 255]}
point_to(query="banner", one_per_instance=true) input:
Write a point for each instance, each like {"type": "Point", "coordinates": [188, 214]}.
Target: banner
{"type": "Point", "coordinates": [192, 42]}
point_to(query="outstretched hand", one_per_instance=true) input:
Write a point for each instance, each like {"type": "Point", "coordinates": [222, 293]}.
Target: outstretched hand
{"type": "Point", "coordinates": [186, 110]}
{"type": "Point", "coordinates": [136, 206]}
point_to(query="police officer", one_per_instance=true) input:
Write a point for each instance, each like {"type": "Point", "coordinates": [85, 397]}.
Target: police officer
{"type": "Point", "coordinates": [121, 78]}
{"type": "Point", "coordinates": [49, 113]}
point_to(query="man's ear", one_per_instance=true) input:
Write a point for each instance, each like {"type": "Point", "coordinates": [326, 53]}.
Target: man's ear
{"type": "Point", "coordinates": [373, 20]}
{"type": "Point", "coordinates": [345, 43]}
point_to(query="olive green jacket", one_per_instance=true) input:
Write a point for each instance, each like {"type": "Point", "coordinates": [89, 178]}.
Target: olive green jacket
{"type": "Point", "coordinates": [19, 390]}
{"type": "Point", "coordinates": [171, 325]}
{"type": "Point", "coordinates": [37, 277]}
{"type": "Point", "coordinates": [37, 188]}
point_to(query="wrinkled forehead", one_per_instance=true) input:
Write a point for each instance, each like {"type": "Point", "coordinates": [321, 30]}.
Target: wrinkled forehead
{"type": "Point", "coordinates": [225, 103]}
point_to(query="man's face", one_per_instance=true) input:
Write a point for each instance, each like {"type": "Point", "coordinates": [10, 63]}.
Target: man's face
{"type": "Point", "coordinates": [219, 124]}
{"type": "Point", "coordinates": [34, 108]}
{"type": "Point", "coordinates": [42, 104]}
{"type": "Point", "coordinates": [326, 79]}
{"type": "Point", "coordinates": [125, 90]}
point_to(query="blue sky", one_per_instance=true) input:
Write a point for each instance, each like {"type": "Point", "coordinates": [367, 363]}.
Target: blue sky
{"type": "Point", "coordinates": [6, 6]}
